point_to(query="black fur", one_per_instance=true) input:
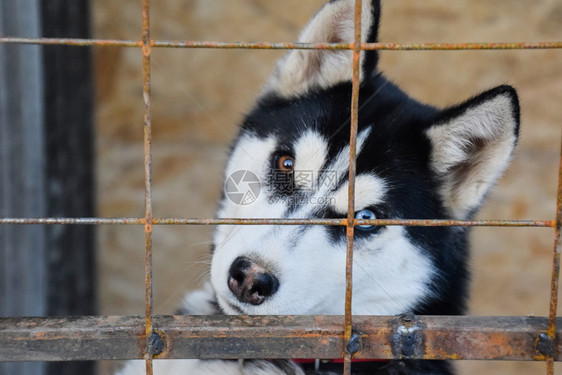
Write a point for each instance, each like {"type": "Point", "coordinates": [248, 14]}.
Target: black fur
{"type": "Point", "coordinates": [406, 367]}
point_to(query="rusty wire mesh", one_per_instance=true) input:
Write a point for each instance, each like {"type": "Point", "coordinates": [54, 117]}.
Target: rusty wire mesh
{"type": "Point", "coordinates": [520, 338]}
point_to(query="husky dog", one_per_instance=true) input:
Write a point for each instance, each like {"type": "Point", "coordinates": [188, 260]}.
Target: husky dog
{"type": "Point", "coordinates": [413, 161]}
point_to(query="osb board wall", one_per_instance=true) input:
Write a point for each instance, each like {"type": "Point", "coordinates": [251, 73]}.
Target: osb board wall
{"type": "Point", "coordinates": [199, 97]}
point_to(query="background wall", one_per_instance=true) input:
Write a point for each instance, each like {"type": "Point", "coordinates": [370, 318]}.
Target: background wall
{"type": "Point", "coordinates": [199, 97]}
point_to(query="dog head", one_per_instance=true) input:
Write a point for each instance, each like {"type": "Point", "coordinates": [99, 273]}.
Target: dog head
{"type": "Point", "coordinates": [291, 160]}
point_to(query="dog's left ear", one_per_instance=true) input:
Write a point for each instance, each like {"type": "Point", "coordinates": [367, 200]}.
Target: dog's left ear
{"type": "Point", "coordinates": [471, 145]}
{"type": "Point", "coordinates": [302, 70]}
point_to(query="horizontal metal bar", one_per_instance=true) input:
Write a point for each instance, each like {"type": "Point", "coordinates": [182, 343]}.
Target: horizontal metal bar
{"type": "Point", "coordinates": [232, 221]}
{"type": "Point", "coordinates": [460, 46]}
{"type": "Point", "coordinates": [255, 45]}
{"type": "Point", "coordinates": [72, 42]}
{"type": "Point", "coordinates": [364, 46]}
{"type": "Point", "coordinates": [288, 45]}
{"type": "Point", "coordinates": [427, 337]}
{"type": "Point", "coordinates": [73, 221]}
{"type": "Point", "coordinates": [457, 223]}
{"type": "Point", "coordinates": [273, 221]}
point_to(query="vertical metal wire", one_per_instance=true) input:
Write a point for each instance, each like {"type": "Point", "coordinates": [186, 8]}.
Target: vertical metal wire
{"type": "Point", "coordinates": [555, 271]}
{"type": "Point", "coordinates": [351, 186]}
{"type": "Point", "coordinates": [550, 366]}
{"type": "Point", "coordinates": [146, 51]}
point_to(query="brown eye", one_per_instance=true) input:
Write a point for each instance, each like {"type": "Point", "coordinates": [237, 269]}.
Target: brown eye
{"type": "Point", "coordinates": [285, 163]}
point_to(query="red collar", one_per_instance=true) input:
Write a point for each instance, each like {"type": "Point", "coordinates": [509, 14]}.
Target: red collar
{"type": "Point", "coordinates": [336, 365]}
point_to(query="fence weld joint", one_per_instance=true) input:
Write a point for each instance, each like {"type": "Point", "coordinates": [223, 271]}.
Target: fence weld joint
{"type": "Point", "coordinates": [406, 340]}
{"type": "Point", "coordinates": [156, 344]}
{"type": "Point", "coordinates": [545, 345]}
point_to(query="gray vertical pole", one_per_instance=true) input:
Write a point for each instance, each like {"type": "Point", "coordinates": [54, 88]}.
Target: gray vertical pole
{"type": "Point", "coordinates": [69, 173]}
{"type": "Point", "coordinates": [22, 182]}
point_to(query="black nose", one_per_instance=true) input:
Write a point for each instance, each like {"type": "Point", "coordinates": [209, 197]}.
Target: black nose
{"type": "Point", "coordinates": [250, 282]}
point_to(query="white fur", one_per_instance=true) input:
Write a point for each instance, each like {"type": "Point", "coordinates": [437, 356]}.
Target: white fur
{"type": "Point", "coordinates": [182, 366]}
{"type": "Point", "coordinates": [311, 271]}
{"type": "Point", "coordinates": [248, 154]}
{"type": "Point", "coordinates": [369, 190]}
{"type": "Point", "coordinates": [244, 156]}
{"type": "Point", "coordinates": [205, 367]}
{"type": "Point", "coordinates": [200, 302]}
{"type": "Point", "coordinates": [311, 151]}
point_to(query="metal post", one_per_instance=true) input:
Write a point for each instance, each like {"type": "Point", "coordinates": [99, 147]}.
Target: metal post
{"type": "Point", "coordinates": [22, 186]}
{"type": "Point", "coordinates": [69, 172]}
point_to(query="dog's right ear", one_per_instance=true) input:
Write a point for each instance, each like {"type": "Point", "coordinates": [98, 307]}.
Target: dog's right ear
{"type": "Point", "coordinates": [302, 70]}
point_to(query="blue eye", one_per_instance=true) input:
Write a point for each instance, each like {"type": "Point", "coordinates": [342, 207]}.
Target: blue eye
{"type": "Point", "coordinates": [365, 215]}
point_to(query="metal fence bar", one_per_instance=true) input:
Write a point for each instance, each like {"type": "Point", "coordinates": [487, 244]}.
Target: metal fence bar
{"type": "Point", "coordinates": [551, 333]}
{"type": "Point", "coordinates": [350, 227]}
{"type": "Point", "coordinates": [273, 221]}
{"type": "Point", "coordinates": [71, 42]}
{"type": "Point", "coordinates": [146, 68]}
{"type": "Point", "coordinates": [230, 337]}
{"type": "Point", "coordinates": [286, 45]}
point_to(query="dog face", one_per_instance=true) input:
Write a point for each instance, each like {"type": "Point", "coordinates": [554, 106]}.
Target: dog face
{"type": "Point", "coordinates": [291, 160]}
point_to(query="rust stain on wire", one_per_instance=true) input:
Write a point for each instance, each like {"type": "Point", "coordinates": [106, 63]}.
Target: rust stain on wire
{"type": "Point", "coordinates": [351, 185]}
{"type": "Point", "coordinates": [460, 46]}
{"type": "Point", "coordinates": [551, 332]}
{"type": "Point", "coordinates": [284, 45]}
{"type": "Point", "coordinates": [146, 51]}
{"type": "Point", "coordinates": [257, 45]}
{"type": "Point", "coordinates": [73, 221]}
{"type": "Point", "coordinates": [72, 42]}
{"type": "Point", "coordinates": [364, 46]}
{"type": "Point", "coordinates": [459, 223]}
{"type": "Point", "coordinates": [275, 221]}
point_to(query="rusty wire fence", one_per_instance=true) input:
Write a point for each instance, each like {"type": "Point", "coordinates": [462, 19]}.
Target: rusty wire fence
{"type": "Point", "coordinates": [228, 337]}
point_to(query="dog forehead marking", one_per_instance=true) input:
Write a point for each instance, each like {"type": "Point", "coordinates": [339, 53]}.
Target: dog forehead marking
{"type": "Point", "coordinates": [369, 190]}
{"type": "Point", "coordinates": [341, 162]}
{"type": "Point", "coordinates": [311, 152]}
